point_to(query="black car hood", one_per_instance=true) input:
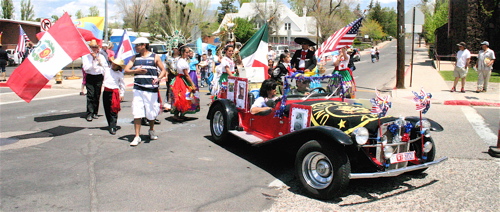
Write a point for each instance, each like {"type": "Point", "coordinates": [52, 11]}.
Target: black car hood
{"type": "Point", "coordinates": [343, 115]}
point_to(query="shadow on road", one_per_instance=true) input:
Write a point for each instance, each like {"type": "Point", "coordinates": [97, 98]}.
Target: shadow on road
{"type": "Point", "coordinates": [53, 132]}
{"type": "Point", "coordinates": [59, 117]}
{"type": "Point", "coordinates": [275, 160]}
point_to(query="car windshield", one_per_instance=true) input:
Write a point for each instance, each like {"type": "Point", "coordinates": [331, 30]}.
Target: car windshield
{"type": "Point", "coordinates": [300, 86]}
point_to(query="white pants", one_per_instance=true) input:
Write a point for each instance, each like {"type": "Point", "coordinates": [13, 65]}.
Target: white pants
{"type": "Point", "coordinates": [483, 78]}
{"type": "Point", "coordinates": [145, 104]}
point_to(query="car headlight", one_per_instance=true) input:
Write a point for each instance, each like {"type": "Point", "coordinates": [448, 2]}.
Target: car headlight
{"type": "Point", "coordinates": [425, 124]}
{"type": "Point", "coordinates": [361, 134]}
{"type": "Point", "coordinates": [428, 146]}
{"type": "Point", "coordinates": [388, 151]}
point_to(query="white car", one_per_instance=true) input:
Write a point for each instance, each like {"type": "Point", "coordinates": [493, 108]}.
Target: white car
{"type": "Point", "coordinates": [280, 49]}
{"type": "Point", "coordinates": [13, 58]}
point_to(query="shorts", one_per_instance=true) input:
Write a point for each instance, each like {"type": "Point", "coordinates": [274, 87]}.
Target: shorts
{"type": "Point", "coordinates": [460, 72]}
{"type": "Point", "coordinates": [145, 104]}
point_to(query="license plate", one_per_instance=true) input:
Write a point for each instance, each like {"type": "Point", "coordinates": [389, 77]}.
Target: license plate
{"type": "Point", "coordinates": [402, 157]}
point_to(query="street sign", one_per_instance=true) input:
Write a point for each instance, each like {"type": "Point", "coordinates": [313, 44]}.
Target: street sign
{"type": "Point", "coordinates": [45, 24]}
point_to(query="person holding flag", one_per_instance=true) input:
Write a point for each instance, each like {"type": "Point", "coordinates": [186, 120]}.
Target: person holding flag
{"type": "Point", "coordinates": [94, 65]}
{"type": "Point", "coordinates": [146, 102]}
{"type": "Point", "coordinates": [341, 63]}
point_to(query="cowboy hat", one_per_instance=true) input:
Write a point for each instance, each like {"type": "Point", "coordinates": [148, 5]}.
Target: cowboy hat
{"type": "Point", "coordinates": [119, 62]}
{"type": "Point", "coordinates": [306, 41]}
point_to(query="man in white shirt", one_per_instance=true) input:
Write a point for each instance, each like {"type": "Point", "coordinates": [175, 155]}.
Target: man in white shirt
{"type": "Point", "coordinates": [460, 72]}
{"type": "Point", "coordinates": [94, 64]}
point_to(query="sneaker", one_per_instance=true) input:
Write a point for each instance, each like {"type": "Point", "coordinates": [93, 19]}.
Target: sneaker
{"type": "Point", "coordinates": [136, 141]}
{"type": "Point", "coordinates": [484, 90]}
{"type": "Point", "coordinates": [152, 135]}
{"type": "Point", "coordinates": [463, 90]}
{"type": "Point", "coordinates": [453, 89]}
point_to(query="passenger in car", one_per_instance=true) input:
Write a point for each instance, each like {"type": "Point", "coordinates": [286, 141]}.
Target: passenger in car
{"type": "Point", "coordinates": [267, 98]}
{"type": "Point", "coordinates": [302, 87]}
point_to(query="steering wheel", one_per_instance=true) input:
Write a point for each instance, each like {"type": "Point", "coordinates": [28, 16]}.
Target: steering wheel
{"type": "Point", "coordinates": [320, 90]}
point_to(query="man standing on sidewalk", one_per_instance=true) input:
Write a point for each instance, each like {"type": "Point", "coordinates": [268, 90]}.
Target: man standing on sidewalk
{"type": "Point", "coordinates": [485, 60]}
{"type": "Point", "coordinates": [460, 72]}
{"type": "Point", "coordinates": [145, 65]}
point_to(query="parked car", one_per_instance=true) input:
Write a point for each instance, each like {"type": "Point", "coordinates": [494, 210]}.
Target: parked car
{"type": "Point", "coordinates": [280, 49]}
{"type": "Point", "coordinates": [159, 48]}
{"type": "Point", "coordinates": [334, 139]}
{"type": "Point", "coordinates": [13, 57]}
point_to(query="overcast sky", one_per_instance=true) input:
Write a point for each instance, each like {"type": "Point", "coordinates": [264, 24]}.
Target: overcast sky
{"type": "Point", "coordinates": [47, 8]}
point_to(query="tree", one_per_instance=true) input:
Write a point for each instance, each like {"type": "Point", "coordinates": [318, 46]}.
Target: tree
{"type": "Point", "coordinates": [54, 18]}
{"type": "Point", "coordinates": [79, 14]}
{"type": "Point", "coordinates": [226, 6]}
{"type": "Point", "coordinates": [93, 11]}
{"type": "Point", "coordinates": [134, 12]}
{"type": "Point", "coordinates": [244, 1]}
{"type": "Point", "coordinates": [7, 9]}
{"type": "Point", "coordinates": [373, 29]}
{"type": "Point", "coordinates": [27, 12]}
{"type": "Point", "coordinates": [386, 17]}
{"type": "Point", "coordinates": [436, 20]}
{"type": "Point", "coordinates": [244, 29]}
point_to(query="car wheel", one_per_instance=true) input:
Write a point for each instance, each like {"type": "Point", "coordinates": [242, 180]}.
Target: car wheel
{"type": "Point", "coordinates": [418, 150]}
{"type": "Point", "coordinates": [218, 124]}
{"type": "Point", "coordinates": [322, 169]}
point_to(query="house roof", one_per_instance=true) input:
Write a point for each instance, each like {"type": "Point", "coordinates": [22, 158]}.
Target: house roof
{"type": "Point", "coordinates": [31, 23]}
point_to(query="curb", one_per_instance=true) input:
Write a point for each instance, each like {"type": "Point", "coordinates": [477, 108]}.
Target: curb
{"type": "Point", "coordinates": [470, 103]}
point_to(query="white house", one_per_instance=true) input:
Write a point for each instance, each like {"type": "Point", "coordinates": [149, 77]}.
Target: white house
{"type": "Point", "coordinates": [289, 24]}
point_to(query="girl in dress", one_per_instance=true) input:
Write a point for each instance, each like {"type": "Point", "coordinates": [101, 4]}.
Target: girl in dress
{"type": "Point", "coordinates": [341, 67]}
{"type": "Point", "coordinates": [184, 89]}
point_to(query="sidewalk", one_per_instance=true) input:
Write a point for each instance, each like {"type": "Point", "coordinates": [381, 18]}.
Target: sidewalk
{"type": "Point", "coordinates": [428, 77]}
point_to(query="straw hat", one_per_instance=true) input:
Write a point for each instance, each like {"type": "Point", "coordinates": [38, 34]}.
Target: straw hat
{"type": "Point", "coordinates": [93, 43]}
{"type": "Point", "coordinates": [119, 62]}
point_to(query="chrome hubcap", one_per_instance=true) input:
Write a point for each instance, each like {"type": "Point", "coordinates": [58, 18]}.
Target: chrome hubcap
{"type": "Point", "coordinates": [218, 125]}
{"type": "Point", "coordinates": [317, 170]}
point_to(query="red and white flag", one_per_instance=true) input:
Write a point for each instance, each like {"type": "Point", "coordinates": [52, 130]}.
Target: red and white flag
{"type": "Point", "coordinates": [125, 50]}
{"type": "Point", "coordinates": [342, 37]}
{"type": "Point", "coordinates": [21, 43]}
{"type": "Point", "coordinates": [57, 48]}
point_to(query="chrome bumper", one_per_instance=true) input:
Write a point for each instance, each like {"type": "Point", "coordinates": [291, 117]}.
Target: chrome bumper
{"type": "Point", "coordinates": [396, 172]}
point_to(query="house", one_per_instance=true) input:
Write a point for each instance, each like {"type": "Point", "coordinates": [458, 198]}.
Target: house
{"type": "Point", "coordinates": [284, 29]}
{"type": "Point", "coordinates": [10, 29]}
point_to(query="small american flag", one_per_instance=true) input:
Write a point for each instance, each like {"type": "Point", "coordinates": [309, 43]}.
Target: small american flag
{"type": "Point", "coordinates": [380, 105]}
{"type": "Point", "coordinates": [342, 37]}
{"type": "Point", "coordinates": [21, 44]}
{"type": "Point", "coordinates": [422, 100]}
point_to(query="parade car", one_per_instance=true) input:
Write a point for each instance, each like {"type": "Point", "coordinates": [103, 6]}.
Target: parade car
{"type": "Point", "coordinates": [334, 139]}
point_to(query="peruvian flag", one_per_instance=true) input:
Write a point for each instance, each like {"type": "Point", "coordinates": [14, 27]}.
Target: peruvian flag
{"type": "Point", "coordinates": [254, 53]}
{"type": "Point", "coordinates": [57, 48]}
{"type": "Point", "coordinates": [125, 50]}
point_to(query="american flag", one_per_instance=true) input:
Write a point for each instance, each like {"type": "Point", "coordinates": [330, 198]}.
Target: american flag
{"type": "Point", "coordinates": [342, 37]}
{"type": "Point", "coordinates": [422, 100]}
{"type": "Point", "coordinates": [380, 105]}
{"type": "Point", "coordinates": [21, 44]}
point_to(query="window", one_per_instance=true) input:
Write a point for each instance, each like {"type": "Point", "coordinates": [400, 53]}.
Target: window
{"type": "Point", "coordinates": [288, 26]}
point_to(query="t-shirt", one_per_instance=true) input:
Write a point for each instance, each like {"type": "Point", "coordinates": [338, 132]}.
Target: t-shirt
{"type": "Point", "coordinates": [192, 63]}
{"type": "Point", "coordinates": [261, 102]}
{"type": "Point", "coordinates": [462, 57]}
{"type": "Point", "coordinates": [227, 62]}
{"type": "Point", "coordinates": [181, 65]}
{"type": "Point", "coordinates": [490, 54]}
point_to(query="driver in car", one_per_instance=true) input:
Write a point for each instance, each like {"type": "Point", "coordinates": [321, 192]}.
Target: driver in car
{"type": "Point", "coordinates": [267, 98]}
{"type": "Point", "coordinates": [302, 87]}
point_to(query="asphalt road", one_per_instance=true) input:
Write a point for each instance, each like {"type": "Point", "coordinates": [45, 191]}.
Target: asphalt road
{"type": "Point", "coordinates": [63, 162]}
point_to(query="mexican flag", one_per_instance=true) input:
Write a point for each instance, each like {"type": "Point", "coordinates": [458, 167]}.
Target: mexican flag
{"type": "Point", "coordinates": [57, 48]}
{"type": "Point", "coordinates": [254, 53]}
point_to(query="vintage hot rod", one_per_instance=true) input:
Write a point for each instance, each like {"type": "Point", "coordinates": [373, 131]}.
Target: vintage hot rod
{"type": "Point", "coordinates": [335, 139]}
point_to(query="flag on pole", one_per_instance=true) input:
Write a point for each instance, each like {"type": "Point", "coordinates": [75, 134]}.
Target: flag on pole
{"type": "Point", "coordinates": [254, 53]}
{"type": "Point", "coordinates": [422, 100]}
{"type": "Point", "coordinates": [342, 37]}
{"type": "Point", "coordinates": [58, 47]}
{"type": "Point", "coordinates": [21, 43]}
{"type": "Point", "coordinates": [95, 25]}
{"type": "Point", "coordinates": [125, 50]}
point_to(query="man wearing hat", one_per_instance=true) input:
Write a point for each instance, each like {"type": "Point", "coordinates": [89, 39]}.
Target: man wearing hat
{"type": "Point", "coordinates": [485, 60]}
{"type": "Point", "coordinates": [302, 86]}
{"type": "Point", "coordinates": [303, 60]}
{"type": "Point", "coordinates": [94, 65]}
{"type": "Point", "coordinates": [461, 66]}
{"type": "Point", "coordinates": [114, 89]}
{"type": "Point", "coordinates": [145, 66]}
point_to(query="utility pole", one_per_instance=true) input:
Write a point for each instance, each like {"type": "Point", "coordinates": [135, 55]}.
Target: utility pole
{"type": "Point", "coordinates": [105, 20]}
{"type": "Point", "coordinates": [400, 67]}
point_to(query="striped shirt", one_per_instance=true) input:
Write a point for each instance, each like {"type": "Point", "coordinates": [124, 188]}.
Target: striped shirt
{"type": "Point", "coordinates": [144, 82]}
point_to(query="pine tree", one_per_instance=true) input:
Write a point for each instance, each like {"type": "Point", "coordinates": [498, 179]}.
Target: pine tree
{"type": "Point", "coordinates": [226, 6]}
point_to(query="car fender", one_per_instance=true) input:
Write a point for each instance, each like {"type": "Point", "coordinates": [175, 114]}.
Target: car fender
{"type": "Point", "coordinates": [434, 125]}
{"type": "Point", "coordinates": [232, 112]}
{"type": "Point", "coordinates": [323, 133]}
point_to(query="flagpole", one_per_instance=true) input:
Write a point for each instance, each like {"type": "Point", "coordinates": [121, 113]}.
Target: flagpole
{"type": "Point", "coordinates": [105, 20]}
